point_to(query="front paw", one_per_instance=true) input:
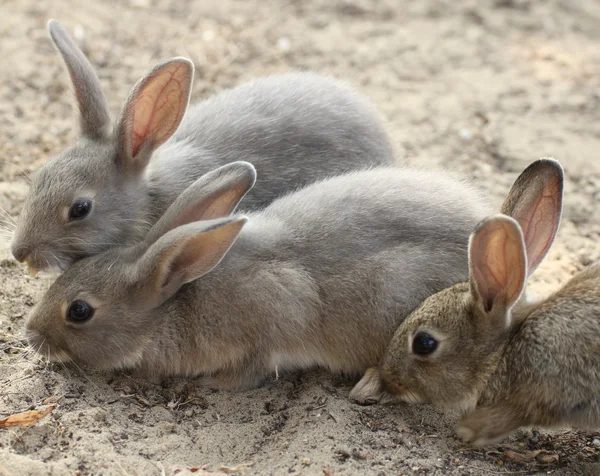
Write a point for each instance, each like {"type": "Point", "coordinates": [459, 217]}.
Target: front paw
{"type": "Point", "coordinates": [485, 427]}
{"type": "Point", "coordinates": [477, 436]}
{"type": "Point", "coordinates": [369, 390]}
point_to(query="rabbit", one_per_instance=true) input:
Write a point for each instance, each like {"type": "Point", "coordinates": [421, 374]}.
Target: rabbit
{"type": "Point", "coordinates": [110, 187]}
{"type": "Point", "coordinates": [321, 277]}
{"type": "Point", "coordinates": [485, 348]}
{"type": "Point", "coordinates": [535, 201]}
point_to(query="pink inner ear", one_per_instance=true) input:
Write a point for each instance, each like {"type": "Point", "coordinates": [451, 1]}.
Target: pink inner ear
{"type": "Point", "coordinates": [539, 225]}
{"type": "Point", "coordinates": [159, 106]}
{"type": "Point", "coordinates": [490, 267]}
{"type": "Point", "coordinates": [498, 263]}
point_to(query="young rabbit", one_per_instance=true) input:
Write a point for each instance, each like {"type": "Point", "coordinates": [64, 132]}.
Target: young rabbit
{"type": "Point", "coordinates": [322, 276]}
{"type": "Point", "coordinates": [110, 187]}
{"type": "Point", "coordinates": [507, 362]}
{"type": "Point", "coordinates": [535, 194]}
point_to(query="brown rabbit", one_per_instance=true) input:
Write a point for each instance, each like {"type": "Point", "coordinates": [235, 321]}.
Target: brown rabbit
{"type": "Point", "coordinates": [535, 201]}
{"type": "Point", "coordinates": [483, 348]}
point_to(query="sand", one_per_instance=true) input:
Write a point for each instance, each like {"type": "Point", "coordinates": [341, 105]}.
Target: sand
{"type": "Point", "coordinates": [481, 88]}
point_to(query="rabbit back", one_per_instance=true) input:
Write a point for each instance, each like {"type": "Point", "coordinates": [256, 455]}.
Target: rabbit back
{"type": "Point", "coordinates": [552, 364]}
{"type": "Point", "coordinates": [295, 128]}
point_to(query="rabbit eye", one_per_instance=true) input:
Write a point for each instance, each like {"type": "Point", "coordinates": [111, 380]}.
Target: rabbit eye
{"type": "Point", "coordinates": [424, 344]}
{"type": "Point", "coordinates": [80, 210]}
{"type": "Point", "coordinates": [79, 311]}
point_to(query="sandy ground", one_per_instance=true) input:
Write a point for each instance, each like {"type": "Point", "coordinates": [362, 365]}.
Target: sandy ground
{"type": "Point", "coordinates": [478, 87]}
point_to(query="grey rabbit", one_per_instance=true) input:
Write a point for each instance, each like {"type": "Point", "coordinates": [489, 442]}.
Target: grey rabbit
{"type": "Point", "coordinates": [321, 277]}
{"type": "Point", "coordinates": [112, 185]}
{"type": "Point", "coordinates": [484, 347]}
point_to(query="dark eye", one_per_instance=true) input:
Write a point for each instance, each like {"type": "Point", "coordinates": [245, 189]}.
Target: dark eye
{"type": "Point", "coordinates": [423, 344]}
{"type": "Point", "coordinates": [79, 311]}
{"type": "Point", "coordinates": [80, 210]}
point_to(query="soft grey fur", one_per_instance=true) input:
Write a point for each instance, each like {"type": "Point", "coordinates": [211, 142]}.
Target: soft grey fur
{"type": "Point", "coordinates": [295, 128]}
{"type": "Point", "coordinates": [322, 276]}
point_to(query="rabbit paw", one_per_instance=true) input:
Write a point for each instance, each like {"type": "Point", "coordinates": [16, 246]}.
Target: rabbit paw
{"type": "Point", "coordinates": [369, 390]}
{"type": "Point", "coordinates": [486, 426]}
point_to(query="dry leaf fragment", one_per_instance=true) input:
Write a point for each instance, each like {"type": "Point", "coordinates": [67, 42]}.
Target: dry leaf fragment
{"type": "Point", "coordinates": [520, 457]}
{"type": "Point", "coordinates": [541, 456]}
{"type": "Point", "coordinates": [239, 468]}
{"type": "Point", "coordinates": [26, 418]}
{"type": "Point", "coordinates": [547, 458]}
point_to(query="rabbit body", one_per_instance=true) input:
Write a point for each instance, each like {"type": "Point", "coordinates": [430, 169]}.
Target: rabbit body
{"type": "Point", "coordinates": [549, 369]}
{"type": "Point", "coordinates": [322, 276]}
{"type": "Point", "coordinates": [111, 186]}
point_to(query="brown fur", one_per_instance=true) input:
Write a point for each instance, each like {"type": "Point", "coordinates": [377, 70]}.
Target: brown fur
{"type": "Point", "coordinates": [511, 363]}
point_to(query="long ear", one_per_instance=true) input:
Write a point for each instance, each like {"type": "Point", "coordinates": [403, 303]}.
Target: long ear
{"type": "Point", "coordinates": [153, 111]}
{"type": "Point", "coordinates": [93, 110]}
{"type": "Point", "coordinates": [214, 195]}
{"type": "Point", "coordinates": [186, 254]}
{"type": "Point", "coordinates": [497, 265]}
{"type": "Point", "coordinates": [535, 201]}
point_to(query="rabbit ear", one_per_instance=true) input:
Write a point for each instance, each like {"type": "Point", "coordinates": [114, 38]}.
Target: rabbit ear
{"type": "Point", "coordinates": [497, 265]}
{"type": "Point", "coordinates": [535, 201]}
{"type": "Point", "coordinates": [154, 110]}
{"type": "Point", "coordinates": [214, 195]}
{"type": "Point", "coordinates": [185, 254]}
{"type": "Point", "coordinates": [93, 109]}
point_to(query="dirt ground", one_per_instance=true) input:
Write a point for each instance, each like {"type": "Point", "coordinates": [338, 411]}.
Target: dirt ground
{"type": "Point", "coordinates": [478, 87]}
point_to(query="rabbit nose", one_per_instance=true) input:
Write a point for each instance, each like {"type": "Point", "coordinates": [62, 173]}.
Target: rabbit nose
{"type": "Point", "coordinates": [21, 253]}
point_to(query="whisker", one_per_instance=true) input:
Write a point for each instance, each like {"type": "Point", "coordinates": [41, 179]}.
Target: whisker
{"type": "Point", "coordinates": [23, 171]}
{"type": "Point", "coordinates": [9, 217]}
{"type": "Point", "coordinates": [413, 397]}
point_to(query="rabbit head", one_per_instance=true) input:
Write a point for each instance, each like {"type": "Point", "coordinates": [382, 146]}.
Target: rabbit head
{"type": "Point", "coordinates": [445, 351]}
{"type": "Point", "coordinates": [102, 311]}
{"type": "Point", "coordinates": [90, 196]}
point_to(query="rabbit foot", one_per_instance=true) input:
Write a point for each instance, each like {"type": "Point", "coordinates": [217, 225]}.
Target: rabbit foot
{"type": "Point", "coordinates": [369, 390]}
{"type": "Point", "coordinates": [486, 426]}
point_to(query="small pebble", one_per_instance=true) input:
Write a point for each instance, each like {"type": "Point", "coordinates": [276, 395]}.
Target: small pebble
{"type": "Point", "coordinates": [465, 134]}
{"type": "Point", "coordinates": [284, 44]}
{"type": "Point", "coordinates": [99, 414]}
